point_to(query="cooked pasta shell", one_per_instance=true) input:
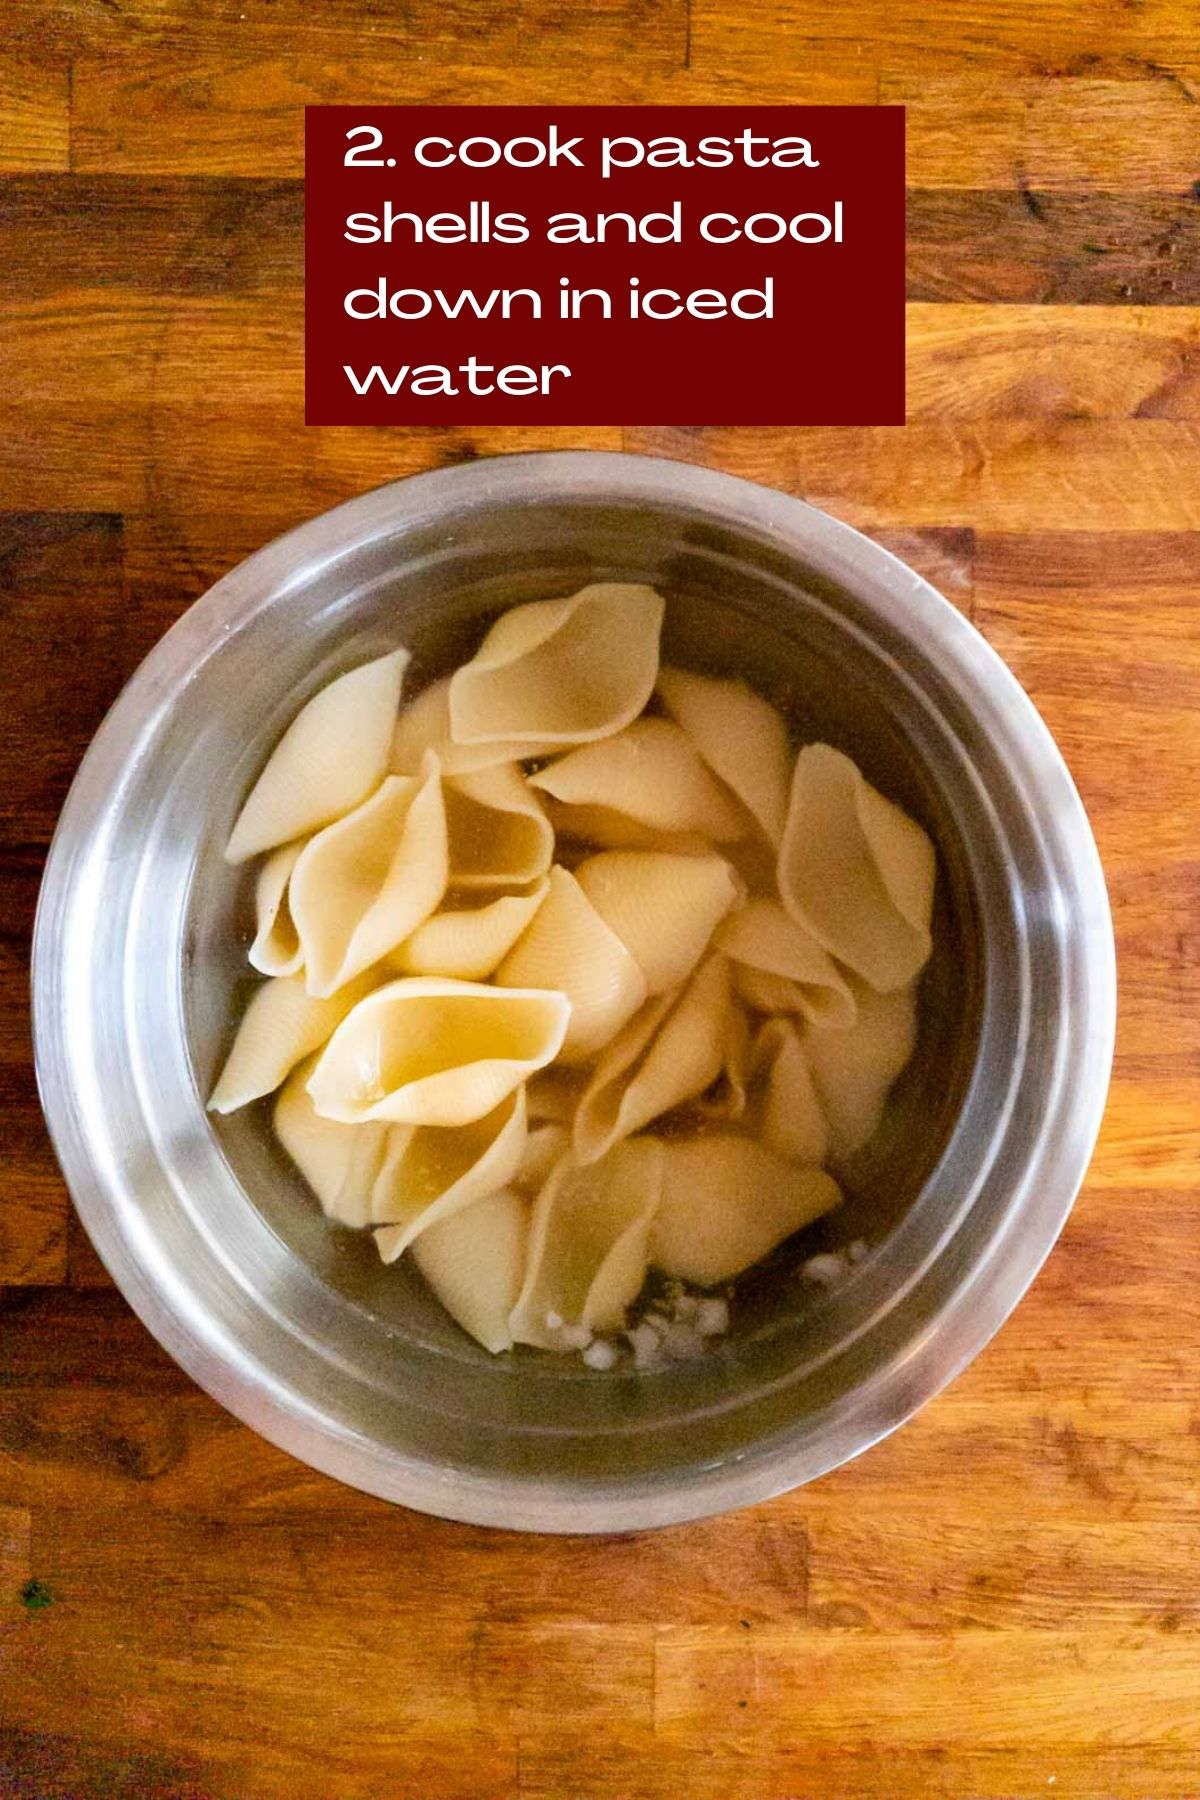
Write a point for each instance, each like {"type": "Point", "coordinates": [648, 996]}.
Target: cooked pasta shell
{"type": "Point", "coordinates": [756, 862]}
{"type": "Point", "coordinates": [855, 871]}
{"type": "Point", "coordinates": [553, 1094]}
{"type": "Point", "coordinates": [280, 1027]}
{"type": "Point", "coordinates": [726, 1098]}
{"type": "Point", "coordinates": [853, 1070]}
{"type": "Point", "coordinates": [468, 943]}
{"type": "Point", "coordinates": [363, 885]}
{"type": "Point", "coordinates": [762, 938]}
{"type": "Point", "coordinates": [648, 773]}
{"type": "Point", "coordinates": [664, 908]}
{"type": "Point", "coordinates": [568, 947]}
{"type": "Point", "coordinates": [427, 1051]}
{"type": "Point", "coordinates": [592, 825]}
{"type": "Point", "coordinates": [276, 949]}
{"type": "Point", "coordinates": [424, 724]}
{"type": "Point", "coordinates": [474, 1262]}
{"type": "Point", "coordinates": [670, 1052]}
{"type": "Point", "coordinates": [587, 1244]}
{"type": "Point", "coordinates": [334, 752]}
{"type": "Point", "coordinates": [563, 671]}
{"type": "Point", "coordinates": [499, 834]}
{"type": "Point", "coordinates": [545, 1146]}
{"type": "Point", "coordinates": [741, 737]}
{"type": "Point", "coordinates": [792, 1123]}
{"type": "Point", "coordinates": [339, 1162]}
{"type": "Point", "coordinates": [726, 1202]}
{"type": "Point", "coordinates": [766, 993]}
{"type": "Point", "coordinates": [431, 1171]}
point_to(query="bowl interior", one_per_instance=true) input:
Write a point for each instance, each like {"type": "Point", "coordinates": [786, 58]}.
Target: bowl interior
{"type": "Point", "coordinates": [382, 1344]}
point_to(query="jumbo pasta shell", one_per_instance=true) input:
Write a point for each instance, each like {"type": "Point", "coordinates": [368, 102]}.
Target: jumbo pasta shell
{"type": "Point", "coordinates": [339, 1162]}
{"type": "Point", "coordinates": [498, 833]}
{"type": "Point", "coordinates": [588, 1244]}
{"type": "Point", "coordinates": [664, 908]}
{"type": "Point", "coordinates": [761, 937]}
{"type": "Point", "coordinates": [726, 1099]}
{"type": "Point", "coordinates": [276, 949]}
{"type": "Point", "coordinates": [597, 825]}
{"type": "Point", "coordinates": [670, 1052]}
{"type": "Point", "coordinates": [853, 1070]}
{"type": "Point", "coordinates": [474, 1261]}
{"type": "Point", "coordinates": [726, 1202]}
{"type": "Point", "coordinates": [553, 1094]}
{"type": "Point", "coordinates": [792, 1122]}
{"type": "Point", "coordinates": [568, 947]}
{"type": "Point", "coordinates": [741, 737]}
{"type": "Point", "coordinates": [648, 773]}
{"type": "Point", "coordinates": [468, 943]}
{"type": "Point", "coordinates": [855, 871]}
{"type": "Point", "coordinates": [545, 1147]}
{"type": "Point", "coordinates": [562, 671]}
{"type": "Point", "coordinates": [424, 724]}
{"type": "Point", "coordinates": [363, 885]}
{"type": "Point", "coordinates": [431, 1172]}
{"type": "Point", "coordinates": [427, 1051]}
{"type": "Point", "coordinates": [280, 1027]}
{"type": "Point", "coordinates": [328, 760]}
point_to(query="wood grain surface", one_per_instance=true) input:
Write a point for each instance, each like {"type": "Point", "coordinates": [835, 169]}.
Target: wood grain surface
{"type": "Point", "coordinates": [1002, 1600]}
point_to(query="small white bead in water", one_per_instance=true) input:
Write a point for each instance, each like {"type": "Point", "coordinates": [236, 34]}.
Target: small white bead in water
{"type": "Point", "coordinates": [712, 1317]}
{"type": "Point", "coordinates": [601, 1353]}
{"type": "Point", "coordinates": [682, 1343]}
{"type": "Point", "coordinates": [554, 1321]}
{"type": "Point", "coordinates": [827, 1269]}
{"type": "Point", "coordinates": [645, 1342]}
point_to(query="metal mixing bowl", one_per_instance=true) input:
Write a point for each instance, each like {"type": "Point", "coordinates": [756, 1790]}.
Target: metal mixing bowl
{"type": "Point", "coordinates": [293, 1325]}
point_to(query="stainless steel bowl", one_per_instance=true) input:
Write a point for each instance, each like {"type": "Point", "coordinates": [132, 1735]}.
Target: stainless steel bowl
{"type": "Point", "coordinates": [294, 1326]}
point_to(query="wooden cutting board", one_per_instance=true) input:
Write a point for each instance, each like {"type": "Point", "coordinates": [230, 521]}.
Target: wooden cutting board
{"type": "Point", "coordinates": [1004, 1599]}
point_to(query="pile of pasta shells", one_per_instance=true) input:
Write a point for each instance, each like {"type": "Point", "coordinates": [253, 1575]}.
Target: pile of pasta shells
{"type": "Point", "coordinates": [575, 970]}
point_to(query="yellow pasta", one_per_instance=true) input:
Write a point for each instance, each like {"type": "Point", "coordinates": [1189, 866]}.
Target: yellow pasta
{"type": "Point", "coordinates": [726, 1202]}
{"type": "Point", "coordinates": [361, 886]}
{"type": "Point", "coordinates": [545, 1147]}
{"type": "Point", "coordinates": [664, 908]}
{"type": "Point", "coordinates": [648, 774]}
{"type": "Point", "coordinates": [569, 948]}
{"type": "Point", "coordinates": [726, 1099]}
{"type": "Point", "coordinates": [468, 943]}
{"type": "Point", "coordinates": [280, 1027]}
{"type": "Point", "coordinates": [588, 1244]}
{"type": "Point", "coordinates": [855, 871]}
{"type": "Point", "coordinates": [430, 1172]}
{"type": "Point", "coordinates": [741, 737]}
{"type": "Point", "coordinates": [547, 1075]}
{"type": "Point", "coordinates": [424, 724]}
{"type": "Point", "coordinates": [499, 835]}
{"type": "Point", "coordinates": [562, 671]}
{"type": "Point", "coordinates": [474, 1261]}
{"type": "Point", "coordinates": [792, 1123]}
{"type": "Point", "coordinates": [427, 1051]}
{"type": "Point", "coordinates": [763, 940]}
{"type": "Point", "coordinates": [670, 1052]}
{"type": "Point", "coordinates": [276, 949]}
{"type": "Point", "coordinates": [853, 1070]}
{"type": "Point", "coordinates": [339, 1162]}
{"type": "Point", "coordinates": [327, 761]}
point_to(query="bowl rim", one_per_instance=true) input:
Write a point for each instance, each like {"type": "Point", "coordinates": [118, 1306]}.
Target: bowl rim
{"type": "Point", "coordinates": [971, 1314]}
